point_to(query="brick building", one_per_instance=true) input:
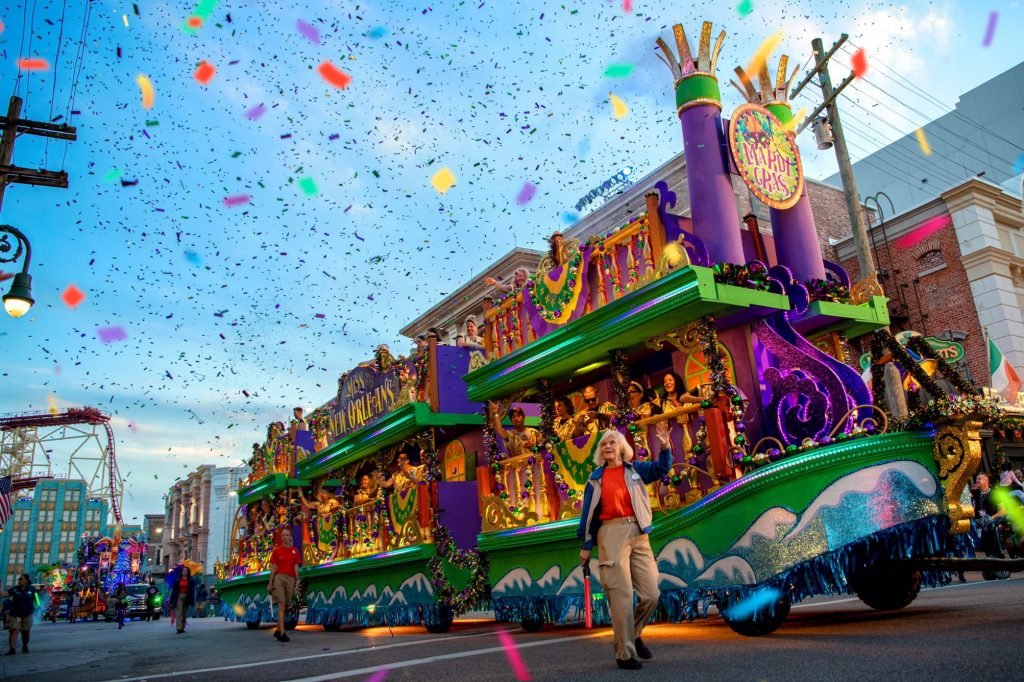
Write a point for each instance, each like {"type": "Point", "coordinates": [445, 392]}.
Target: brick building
{"type": "Point", "coordinates": [953, 267]}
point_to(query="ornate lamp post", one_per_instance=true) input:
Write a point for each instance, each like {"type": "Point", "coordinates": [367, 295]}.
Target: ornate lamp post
{"type": "Point", "coordinates": [18, 300]}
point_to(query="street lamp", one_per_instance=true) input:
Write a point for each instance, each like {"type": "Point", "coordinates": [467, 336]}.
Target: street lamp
{"type": "Point", "coordinates": [18, 300]}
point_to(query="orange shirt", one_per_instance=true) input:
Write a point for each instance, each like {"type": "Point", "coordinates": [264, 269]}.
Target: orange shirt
{"type": "Point", "coordinates": [615, 500]}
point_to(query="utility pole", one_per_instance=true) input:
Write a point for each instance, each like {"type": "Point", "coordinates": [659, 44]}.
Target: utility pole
{"type": "Point", "coordinates": [860, 233]}
{"type": "Point", "coordinates": [12, 126]}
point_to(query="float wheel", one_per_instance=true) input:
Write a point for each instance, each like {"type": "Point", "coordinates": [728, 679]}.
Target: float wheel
{"type": "Point", "coordinates": [886, 587]}
{"type": "Point", "coordinates": [764, 621]}
{"type": "Point", "coordinates": [332, 627]}
{"type": "Point", "coordinates": [438, 619]}
{"type": "Point", "coordinates": [253, 626]}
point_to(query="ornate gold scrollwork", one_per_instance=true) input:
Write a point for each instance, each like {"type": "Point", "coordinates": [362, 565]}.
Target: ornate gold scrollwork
{"type": "Point", "coordinates": [684, 339]}
{"type": "Point", "coordinates": [958, 454]}
{"type": "Point", "coordinates": [497, 515]}
{"type": "Point", "coordinates": [864, 289]}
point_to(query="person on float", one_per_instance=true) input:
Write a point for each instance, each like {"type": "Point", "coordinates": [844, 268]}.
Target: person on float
{"type": "Point", "coordinates": [596, 415]}
{"type": "Point", "coordinates": [470, 338]}
{"type": "Point", "coordinates": [616, 516]}
{"type": "Point", "coordinates": [183, 595]}
{"type": "Point", "coordinates": [676, 397]}
{"type": "Point", "coordinates": [406, 477]}
{"type": "Point", "coordinates": [566, 426]}
{"type": "Point", "coordinates": [638, 403]}
{"type": "Point", "coordinates": [284, 572]}
{"type": "Point", "coordinates": [521, 438]}
{"type": "Point", "coordinates": [519, 278]}
{"type": "Point", "coordinates": [326, 509]}
{"type": "Point", "coordinates": [368, 490]}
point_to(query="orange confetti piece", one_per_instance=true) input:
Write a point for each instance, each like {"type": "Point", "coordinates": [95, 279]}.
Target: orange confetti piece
{"type": "Point", "coordinates": [148, 93]}
{"type": "Point", "coordinates": [922, 141]}
{"type": "Point", "coordinates": [619, 107]}
{"type": "Point", "coordinates": [72, 296]}
{"type": "Point", "coordinates": [333, 75]}
{"type": "Point", "coordinates": [860, 63]}
{"type": "Point", "coordinates": [204, 72]}
{"type": "Point", "coordinates": [194, 22]}
{"type": "Point", "coordinates": [33, 64]}
{"type": "Point", "coordinates": [443, 180]}
{"type": "Point", "coordinates": [764, 51]}
{"type": "Point", "coordinates": [2, 27]}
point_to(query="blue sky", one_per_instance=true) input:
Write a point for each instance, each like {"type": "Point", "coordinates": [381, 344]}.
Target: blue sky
{"type": "Point", "coordinates": [277, 297]}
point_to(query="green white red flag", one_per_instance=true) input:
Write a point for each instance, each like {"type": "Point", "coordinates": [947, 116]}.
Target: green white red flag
{"type": "Point", "coordinates": [1005, 379]}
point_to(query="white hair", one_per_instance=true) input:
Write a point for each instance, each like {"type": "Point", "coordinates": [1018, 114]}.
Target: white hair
{"type": "Point", "coordinates": [624, 447]}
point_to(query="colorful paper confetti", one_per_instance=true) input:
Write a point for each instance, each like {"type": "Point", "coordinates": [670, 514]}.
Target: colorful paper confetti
{"type": "Point", "coordinates": [236, 200]}
{"type": "Point", "coordinates": [753, 602]}
{"type": "Point", "coordinates": [376, 33]}
{"type": "Point", "coordinates": [515, 660]}
{"type": "Point", "coordinates": [308, 186]}
{"type": "Point", "coordinates": [334, 76]}
{"type": "Point", "coordinates": [204, 72]}
{"type": "Point", "coordinates": [72, 296]}
{"type": "Point", "coordinates": [308, 30]}
{"type": "Point", "coordinates": [443, 180]}
{"type": "Point", "coordinates": [792, 124]}
{"type": "Point", "coordinates": [111, 334]}
{"type": "Point", "coordinates": [193, 258]}
{"type": "Point", "coordinates": [922, 142]}
{"type": "Point", "coordinates": [1018, 165]}
{"type": "Point", "coordinates": [627, 5]}
{"type": "Point", "coordinates": [859, 63]}
{"type": "Point", "coordinates": [745, 7]}
{"type": "Point", "coordinates": [526, 193]}
{"type": "Point", "coordinates": [112, 175]}
{"type": "Point", "coordinates": [255, 112]}
{"type": "Point", "coordinates": [618, 71]}
{"type": "Point", "coordinates": [990, 32]}
{"type": "Point", "coordinates": [764, 50]}
{"type": "Point", "coordinates": [148, 93]}
{"type": "Point", "coordinates": [33, 64]}
{"type": "Point", "coordinates": [199, 15]}
{"type": "Point", "coordinates": [619, 107]}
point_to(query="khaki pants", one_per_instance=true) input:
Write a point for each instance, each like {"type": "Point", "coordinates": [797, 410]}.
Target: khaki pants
{"type": "Point", "coordinates": [283, 589]}
{"type": "Point", "coordinates": [627, 564]}
{"type": "Point", "coordinates": [180, 613]}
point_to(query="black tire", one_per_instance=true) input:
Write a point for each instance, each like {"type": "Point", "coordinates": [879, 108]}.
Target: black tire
{"type": "Point", "coordinates": [532, 623]}
{"type": "Point", "coordinates": [885, 587]}
{"type": "Point", "coordinates": [290, 624]}
{"type": "Point", "coordinates": [763, 621]}
{"type": "Point", "coordinates": [995, 575]}
{"type": "Point", "coordinates": [332, 627]}
{"type": "Point", "coordinates": [438, 619]}
{"type": "Point", "coordinates": [253, 626]}
{"type": "Point", "coordinates": [155, 617]}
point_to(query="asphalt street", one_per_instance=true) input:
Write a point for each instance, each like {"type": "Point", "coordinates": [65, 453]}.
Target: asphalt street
{"type": "Point", "coordinates": [960, 632]}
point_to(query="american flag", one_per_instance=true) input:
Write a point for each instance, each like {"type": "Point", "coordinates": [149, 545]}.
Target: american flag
{"type": "Point", "coordinates": [5, 500]}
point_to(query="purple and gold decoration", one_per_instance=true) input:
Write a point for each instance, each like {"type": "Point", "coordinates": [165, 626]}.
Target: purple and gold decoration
{"type": "Point", "coordinates": [699, 105]}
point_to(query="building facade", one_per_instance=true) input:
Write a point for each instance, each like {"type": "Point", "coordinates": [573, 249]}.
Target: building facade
{"type": "Point", "coordinates": [953, 269]}
{"type": "Point", "coordinates": [46, 527]}
{"type": "Point", "coordinates": [200, 511]}
{"type": "Point", "coordinates": [153, 531]}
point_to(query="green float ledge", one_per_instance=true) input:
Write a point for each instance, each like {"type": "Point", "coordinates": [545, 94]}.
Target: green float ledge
{"type": "Point", "coordinates": [421, 552]}
{"type": "Point", "coordinates": [668, 303]}
{"type": "Point", "coordinates": [268, 485]}
{"type": "Point", "coordinates": [822, 317]}
{"type": "Point", "coordinates": [388, 430]}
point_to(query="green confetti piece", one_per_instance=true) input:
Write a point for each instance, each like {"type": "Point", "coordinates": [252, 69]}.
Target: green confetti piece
{"type": "Point", "coordinates": [151, 124]}
{"type": "Point", "coordinates": [620, 70]}
{"type": "Point", "coordinates": [308, 186]}
{"type": "Point", "coordinates": [745, 7]}
{"type": "Point", "coordinates": [112, 175]}
{"type": "Point", "coordinates": [1014, 512]}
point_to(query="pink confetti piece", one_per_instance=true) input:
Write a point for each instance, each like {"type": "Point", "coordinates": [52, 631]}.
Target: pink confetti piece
{"type": "Point", "coordinates": [922, 232]}
{"type": "Point", "coordinates": [627, 5]}
{"type": "Point", "coordinates": [111, 334]}
{"type": "Point", "coordinates": [236, 200]}
{"type": "Point", "coordinates": [526, 193]}
{"type": "Point", "coordinates": [308, 30]}
{"type": "Point", "coordinates": [254, 113]}
{"type": "Point", "coordinates": [990, 32]}
{"type": "Point", "coordinates": [378, 676]}
{"type": "Point", "coordinates": [514, 659]}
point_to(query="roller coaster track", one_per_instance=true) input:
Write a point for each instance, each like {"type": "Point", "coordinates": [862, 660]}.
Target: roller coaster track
{"type": "Point", "coordinates": [71, 417]}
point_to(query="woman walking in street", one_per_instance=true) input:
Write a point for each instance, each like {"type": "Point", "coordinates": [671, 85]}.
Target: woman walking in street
{"type": "Point", "coordinates": [183, 595]}
{"type": "Point", "coordinates": [617, 517]}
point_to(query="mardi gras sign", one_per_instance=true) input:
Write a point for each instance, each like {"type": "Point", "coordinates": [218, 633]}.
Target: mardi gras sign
{"type": "Point", "coordinates": [950, 351]}
{"type": "Point", "coordinates": [366, 395]}
{"type": "Point", "coordinates": [766, 157]}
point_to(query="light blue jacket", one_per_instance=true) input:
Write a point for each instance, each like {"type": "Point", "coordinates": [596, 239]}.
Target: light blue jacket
{"type": "Point", "coordinates": [637, 475]}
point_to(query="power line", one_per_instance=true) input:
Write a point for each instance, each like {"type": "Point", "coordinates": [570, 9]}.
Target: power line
{"type": "Point", "coordinates": [54, 73]}
{"type": "Point", "coordinates": [924, 94]}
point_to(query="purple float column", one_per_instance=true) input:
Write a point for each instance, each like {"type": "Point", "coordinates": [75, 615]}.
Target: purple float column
{"type": "Point", "coordinates": [793, 230]}
{"type": "Point", "coordinates": [699, 105]}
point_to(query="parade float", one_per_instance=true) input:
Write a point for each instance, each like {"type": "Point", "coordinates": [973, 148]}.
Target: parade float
{"type": "Point", "coordinates": [789, 478]}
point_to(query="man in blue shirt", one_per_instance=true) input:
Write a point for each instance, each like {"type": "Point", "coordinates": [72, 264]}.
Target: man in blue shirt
{"type": "Point", "coordinates": [23, 604]}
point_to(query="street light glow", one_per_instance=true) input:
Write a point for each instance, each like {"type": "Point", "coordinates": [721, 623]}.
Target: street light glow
{"type": "Point", "coordinates": [19, 299]}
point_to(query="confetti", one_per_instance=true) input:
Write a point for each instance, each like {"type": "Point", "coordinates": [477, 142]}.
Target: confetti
{"type": "Point", "coordinates": [764, 50]}
{"type": "Point", "coordinates": [193, 258]}
{"type": "Point", "coordinates": [515, 660]}
{"type": "Point", "coordinates": [111, 334]}
{"type": "Point", "coordinates": [618, 71]}
{"type": "Point", "coordinates": [254, 113]}
{"type": "Point", "coordinates": [526, 193]}
{"type": "Point", "coordinates": [1010, 504]}
{"type": "Point", "coordinates": [204, 72]}
{"type": "Point", "coordinates": [72, 296]}
{"type": "Point", "coordinates": [112, 175]}
{"type": "Point", "coordinates": [745, 7]}
{"type": "Point", "coordinates": [309, 31]}
{"type": "Point", "coordinates": [859, 63]}
{"type": "Point", "coordinates": [922, 142]}
{"type": "Point", "coordinates": [792, 124]}
{"type": "Point", "coordinates": [619, 107]}
{"type": "Point", "coordinates": [753, 602]}
{"type": "Point", "coordinates": [334, 76]}
{"type": "Point", "coordinates": [308, 186]}
{"type": "Point", "coordinates": [923, 231]}
{"type": "Point", "coordinates": [2, 27]}
{"type": "Point", "coordinates": [148, 93]}
{"type": "Point", "coordinates": [236, 200]}
{"type": "Point", "coordinates": [194, 23]}
{"type": "Point", "coordinates": [443, 180]}
{"type": "Point", "coordinates": [239, 610]}
{"type": "Point", "coordinates": [570, 218]}
{"type": "Point", "coordinates": [627, 5]}
{"type": "Point", "coordinates": [990, 32]}
{"type": "Point", "coordinates": [1018, 165]}
{"type": "Point", "coordinates": [33, 64]}
{"type": "Point", "coordinates": [199, 15]}
{"type": "Point", "coordinates": [52, 407]}
{"type": "Point", "coordinates": [378, 676]}
{"type": "Point", "coordinates": [376, 33]}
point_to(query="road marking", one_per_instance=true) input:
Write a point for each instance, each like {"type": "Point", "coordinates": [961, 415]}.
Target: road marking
{"type": "Point", "coordinates": [448, 638]}
{"type": "Point", "coordinates": [442, 657]}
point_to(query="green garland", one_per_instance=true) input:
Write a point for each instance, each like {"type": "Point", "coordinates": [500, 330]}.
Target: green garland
{"type": "Point", "coordinates": [750, 276]}
{"type": "Point", "coordinates": [827, 290]}
{"type": "Point", "coordinates": [985, 410]}
{"type": "Point", "coordinates": [922, 348]}
{"type": "Point", "coordinates": [877, 372]}
{"type": "Point", "coordinates": [903, 359]}
{"type": "Point", "coordinates": [546, 398]}
{"type": "Point", "coordinates": [445, 594]}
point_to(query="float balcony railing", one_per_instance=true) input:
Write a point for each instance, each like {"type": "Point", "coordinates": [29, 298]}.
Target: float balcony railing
{"type": "Point", "coordinates": [372, 528]}
{"type": "Point", "coordinates": [615, 265]}
{"type": "Point", "coordinates": [521, 493]}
